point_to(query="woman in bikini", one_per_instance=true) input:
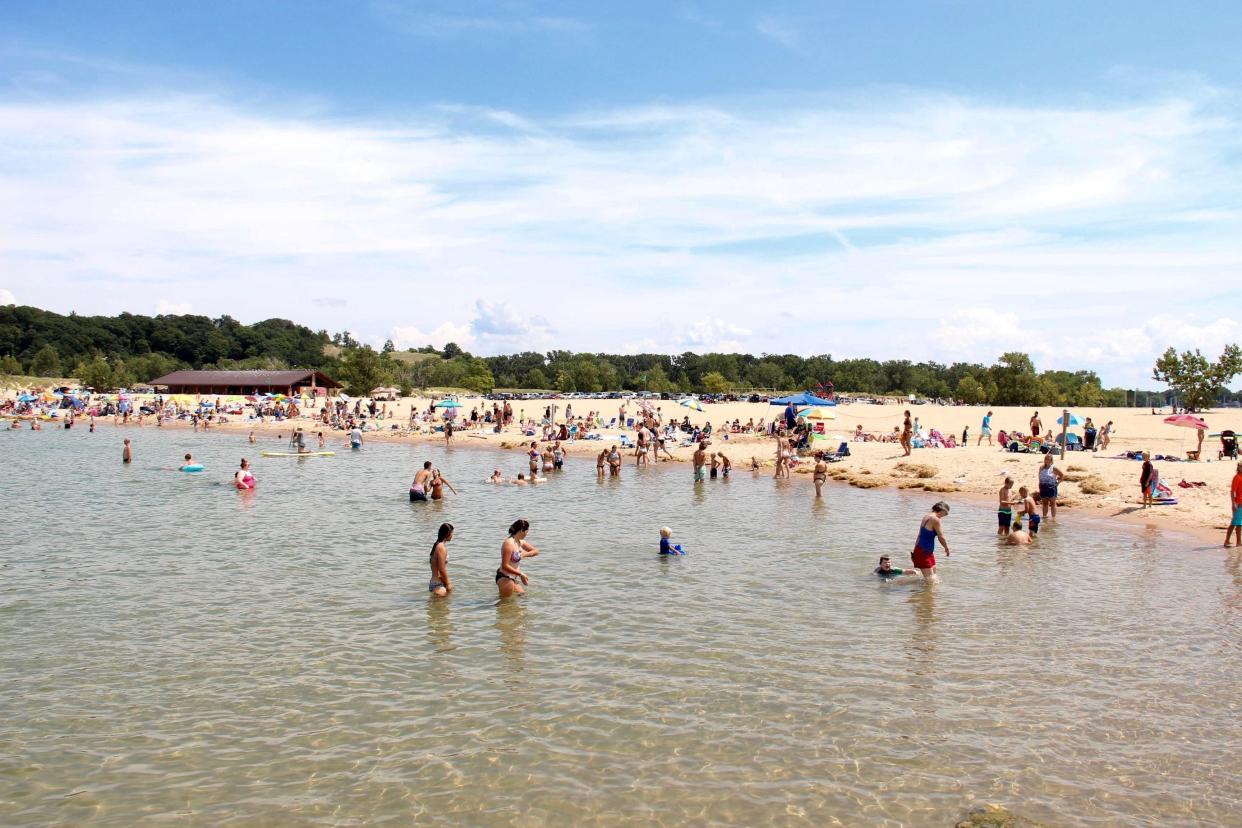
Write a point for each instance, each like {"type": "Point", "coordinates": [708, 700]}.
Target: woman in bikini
{"type": "Point", "coordinates": [821, 473]}
{"type": "Point", "coordinates": [437, 485]}
{"type": "Point", "coordinates": [510, 579]}
{"type": "Point", "coordinates": [439, 585]}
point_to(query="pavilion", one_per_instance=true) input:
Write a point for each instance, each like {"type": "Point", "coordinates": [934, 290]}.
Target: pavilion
{"type": "Point", "coordinates": [290, 383]}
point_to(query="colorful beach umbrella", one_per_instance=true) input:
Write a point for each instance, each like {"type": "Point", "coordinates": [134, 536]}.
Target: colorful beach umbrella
{"type": "Point", "coordinates": [1187, 421]}
{"type": "Point", "coordinates": [448, 404]}
{"type": "Point", "coordinates": [1074, 420]}
{"type": "Point", "coordinates": [818, 413]}
{"type": "Point", "coordinates": [690, 402]}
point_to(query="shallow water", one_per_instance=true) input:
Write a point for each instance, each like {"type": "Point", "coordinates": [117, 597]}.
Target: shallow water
{"type": "Point", "coordinates": [177, 652]}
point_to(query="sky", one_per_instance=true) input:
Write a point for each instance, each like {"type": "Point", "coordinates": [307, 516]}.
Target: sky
{"type": "Point", "coordinates": [944, 180]}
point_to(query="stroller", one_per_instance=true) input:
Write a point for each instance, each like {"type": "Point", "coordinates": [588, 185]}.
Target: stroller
{"type": "Point", "coordinates": [1228, 445]}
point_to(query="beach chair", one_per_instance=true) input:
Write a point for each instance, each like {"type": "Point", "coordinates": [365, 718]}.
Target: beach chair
{"type": "Point", "coordinates": [626, 442]}
{"type": "Point", "coordinates": [629, 423]}
{"type": "Point", "coordinates": [612, 423]}
{"type": "Point", "coordinates": [842, 452]}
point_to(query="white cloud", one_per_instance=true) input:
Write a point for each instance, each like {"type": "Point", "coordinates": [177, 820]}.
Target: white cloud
{"type": "Point", "coordinates": [705, 335]}
{"type": "Point", "coordinates": [779, 30]}
{"type": "Point", "coordinates": [164, 307]}
{"type": "Point", "coordinates": [7, 297]}
{"type": "Point", "coordinates": [411, 337]}
{"type": "Point", "coordinates": [857, 226]}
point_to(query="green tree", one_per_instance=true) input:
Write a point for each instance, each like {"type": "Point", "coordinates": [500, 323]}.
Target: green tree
{"type": "Point", "coordinates": [95, 374]}
{"type": "Point", "coordinates": [1016, 380]}
{"type": "Point", "coordinates": [9, 365]}
{"type": "Point", "coordinates": [655, 379]}
{"type": "Point", "coordinates": [478, 376]}
{"type": "Point", "coordinates": [1197, 379]}
{"type": "Point", "coordinates": [535, 378]}
{"type": "Point", "coordinates": [45, 363]}
{"type": "Point", "coordinates": [388, 347]}
{"type": "Point", "coordinates": [565, 381]}
{"type": "Point", "coordinates": [451, 351]}
{"type": "Point", "coordinates": [971, 392]}
{"type": "Point", "coordinates": [360, 370]}
{"type": "Point", "coordinates": [714, 382]}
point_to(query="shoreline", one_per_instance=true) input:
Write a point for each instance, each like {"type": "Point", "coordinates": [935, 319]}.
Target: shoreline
{"type": "Point", "coordinates": [859, 470]}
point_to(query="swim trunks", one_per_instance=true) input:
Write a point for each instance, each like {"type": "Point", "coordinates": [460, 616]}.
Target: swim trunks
{"type": "Point", "coordinates": [1004, 517]}
{"type": "Point", "coordinates": [922, 558]}
{"type": "Point", "coordinates": [714, 473]}
{"type": "Point", "coordinates": [700, 473]}
{"type": "Point", "coordinates": [1035, 519]}
{"type": "Point", "coordinates": [417, 496]}
{"type": "Point", "coordinates": [1237, 516]}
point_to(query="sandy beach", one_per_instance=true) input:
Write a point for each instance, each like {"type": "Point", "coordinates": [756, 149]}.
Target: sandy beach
{"type": "Point", "coordinates": [1099, 484]}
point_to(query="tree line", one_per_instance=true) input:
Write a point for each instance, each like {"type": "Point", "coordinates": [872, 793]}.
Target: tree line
{"type": "Point", "coordinates": [129, 349]}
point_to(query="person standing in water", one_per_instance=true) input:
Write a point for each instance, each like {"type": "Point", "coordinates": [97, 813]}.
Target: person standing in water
{"type": "Point", "coordinates": [1049, 479]}
{"type": "Point", "coordinates": [510, 579]}
{"type": "Point", "coordinates": [418, 489]}
{"type": "Point", "coordinates": [243, 479]}
{"type": "Point", "coordinates": [700, 463]}
{"type": "Point", "coordinates": [1004, 507]}
{"type": "Point", "coordinates": [536, 459]}
{"type": "Point", "coordinates": [355, 438]}
{"type": "Point", "coordinates": [127, 453]}
{"type": "Point", "coordinates": [438, 482]}
{"type": "Point", "coordinates": [440, 585]}
{"type": "Point", "coordinates": [924, 554]}
{"type": "Point", "coordinates": [821, 474]}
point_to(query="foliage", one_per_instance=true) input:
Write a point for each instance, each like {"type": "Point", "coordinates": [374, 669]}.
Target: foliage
{"type": "Point", "coordinates": [714, 382]}
{"type": "Point", "coordinates": [46, 362]}
{"type": "Point", "coordinates": [9, 365]}
{"type": "Point", "coordinates": [1197, 379]}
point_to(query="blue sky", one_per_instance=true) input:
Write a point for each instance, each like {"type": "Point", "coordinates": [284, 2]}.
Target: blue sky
{"type": "Point", "coordinates": [938, 180]}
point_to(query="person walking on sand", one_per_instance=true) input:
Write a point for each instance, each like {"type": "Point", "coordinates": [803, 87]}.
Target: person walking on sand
{"type": "Point", "coordinates": [924, 554]}
{"type": "Point", "coordinates": [1037, 425]}
{"type": "Point", "coordinates": [985, 430]}
{"type": "Point", "coordinates": [1049, 481]}
{"type": "Point", "coordinates": [510, 579]}
{"type": "Point", "coordinates": [907, 430]}
{"type": "Point", "coordinates": [440, 585]}
{"type": "Point", "coordinates": [1235, 504]}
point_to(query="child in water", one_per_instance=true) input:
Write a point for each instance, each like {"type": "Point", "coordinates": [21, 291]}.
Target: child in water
{"type": "Point", "coordinates": [667, 547]}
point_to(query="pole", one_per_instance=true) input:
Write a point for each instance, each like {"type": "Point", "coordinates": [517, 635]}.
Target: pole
{"type": "Point", "coordinates": [1065, 417]}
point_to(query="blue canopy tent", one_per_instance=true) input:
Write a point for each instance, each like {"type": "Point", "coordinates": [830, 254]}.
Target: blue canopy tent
{"type": "Point", "coordinates": [802, 400]}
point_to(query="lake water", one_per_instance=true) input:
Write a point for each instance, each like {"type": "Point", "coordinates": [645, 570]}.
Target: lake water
{"type": "Point", "coordinates": [175, 652]}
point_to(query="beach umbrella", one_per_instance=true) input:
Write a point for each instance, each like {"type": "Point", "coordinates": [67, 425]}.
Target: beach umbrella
{"type": "Point", "coordinates": [691, 403]}
{"type": "Point", "coordinates": [1187, 421]}
{"type": "Point", "coordinates": [1074, 420]}
{"type": "Point", "coordinates": [448, 404]}
{"type": "Point", "coordinates": [27, 398]}
{"type": "Point", "coordinates": [818, 413]}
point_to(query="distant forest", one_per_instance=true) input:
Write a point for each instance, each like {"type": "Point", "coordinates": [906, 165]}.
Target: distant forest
{"type": "Point", "coordinates": [129, 349]}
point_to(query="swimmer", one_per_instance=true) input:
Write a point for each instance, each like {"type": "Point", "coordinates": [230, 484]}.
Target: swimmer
{"type": "Point", "coordinates": [189, 461]}
{"type": "Point", "coordinates": [599, 463]}
{"type": "Point", "coordinates": [821, 477]}
{"type": "Point", "coordinates": [127, 453]}
{"type": "Point", "coordinates": [536, 458]}
{"type": "Point", "coordinates": [509, 578]}
{"type": "Point", "coordinates": [614, 462]}
{"type": "Point", "coordinates": [667, 547]}
{"type": "Point", "coordinates": [886, 571]}
{"type": "Point", "coordinates": [252, 439]}
{"type": "Point", "coordinates": [322, 443]}
{"type": "Point", "coordinates": [715, 466]}
{"type": "Point", "coordinates": [440, 585]}
{"type": "Point", "coordinates": [418, 489]}
{"type": "Point", "coordinates": [243, 479]}
{"type": "Point", "coordinates": [1030, 509]}
{"type": "Point", "coordinates": [496, 477]}
{"type": "Point", "coordinates": [725, 466]}
{"type": "Point", "coordinates": [1004, 512]}
{"type": "Point", "coordinates": [924, 556]}
{"type": "Point", "coordinates": [437, 485]}
{"type": "Point", "coordinates": [521, 480]}
{"type": "Point", "coordinates": [1018, 537]}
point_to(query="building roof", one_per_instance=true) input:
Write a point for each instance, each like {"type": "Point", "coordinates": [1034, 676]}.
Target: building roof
{"type": "Point", "coordinates": [257, 379]}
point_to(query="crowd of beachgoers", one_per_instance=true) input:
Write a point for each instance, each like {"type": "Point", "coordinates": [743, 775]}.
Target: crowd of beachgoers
{"type": "Point", "coordinates": [966, 451]}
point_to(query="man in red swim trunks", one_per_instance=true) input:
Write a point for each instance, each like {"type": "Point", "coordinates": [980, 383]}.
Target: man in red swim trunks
{"type": "Point", "coordinates": [924, 554]}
